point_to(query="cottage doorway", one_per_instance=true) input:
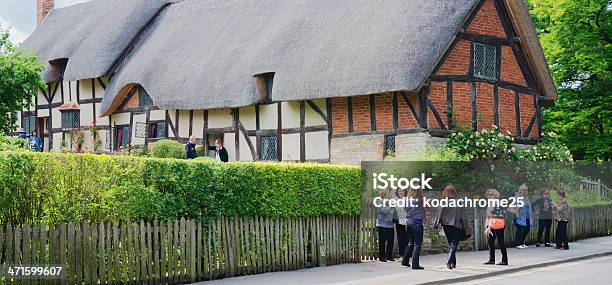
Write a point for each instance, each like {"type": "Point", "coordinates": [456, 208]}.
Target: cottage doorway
{"type": "Point", "coordinates": [42, 128]}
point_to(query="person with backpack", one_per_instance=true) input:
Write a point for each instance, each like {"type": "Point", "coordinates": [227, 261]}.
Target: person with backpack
{"type": "Point", "coordinates": [495, 227]}
{"type": "Point", "coordinates": [455, 225]}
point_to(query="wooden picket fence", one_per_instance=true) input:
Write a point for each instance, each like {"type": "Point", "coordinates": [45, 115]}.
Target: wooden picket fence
{"type": "Point", "coordinates": [177, 252]}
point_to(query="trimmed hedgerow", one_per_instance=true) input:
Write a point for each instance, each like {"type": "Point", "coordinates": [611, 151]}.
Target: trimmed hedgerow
{"type": "Point", "coordinates": [53, 187]}
{"type": "Point", "coordinates": [168, 149]}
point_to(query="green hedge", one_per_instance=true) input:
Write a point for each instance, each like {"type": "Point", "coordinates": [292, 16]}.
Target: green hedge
{"type": "Point", "coordinates": [86, 187]}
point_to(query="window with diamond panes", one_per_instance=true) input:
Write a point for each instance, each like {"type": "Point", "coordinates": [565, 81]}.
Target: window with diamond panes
{"type": "Point", "coordinates": [71, 120]}
{"type": "Point", "coordinates": [485, 58]}
{"type": "Point", "coordinates": [389, 145]}
{"type": "Point", "coordinates": [29, 124]}
{"type": "Point", "coordinates": [269, 148]}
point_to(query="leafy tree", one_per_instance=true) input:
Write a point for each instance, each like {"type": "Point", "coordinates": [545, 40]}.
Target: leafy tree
{"type": "Point", "coordinates": [576, 37]}
{"type": "Point", "coordinates": [19, 81]}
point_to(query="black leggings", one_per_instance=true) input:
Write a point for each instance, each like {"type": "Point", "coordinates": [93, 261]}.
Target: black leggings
{"type": "Point", "coordinates": [499, 235]}
{"type": "Point", "coordinates": [385, 243]}
{"type": "Point", "coordinates": [402, 238]}
{"type": "Point", "coordinates": [562, 239]}
{"type": "Point", "coordinates": [544, 225]}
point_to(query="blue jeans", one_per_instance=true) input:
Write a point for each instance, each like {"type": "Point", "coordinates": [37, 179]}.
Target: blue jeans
{"type": "Point", "coordinates": [414, 230]}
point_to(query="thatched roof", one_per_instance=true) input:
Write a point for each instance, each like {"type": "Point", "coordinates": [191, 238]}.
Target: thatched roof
{"type": "Point", "coordinates": [90, 36]}
{"type": "Point", "coordinates": [203, 54]}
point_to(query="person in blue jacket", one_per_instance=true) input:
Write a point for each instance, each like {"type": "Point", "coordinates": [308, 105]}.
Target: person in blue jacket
{"type": "Point", "coordinates": [35, 142]}
{"type": "Point", "coordinates": [523, 216]}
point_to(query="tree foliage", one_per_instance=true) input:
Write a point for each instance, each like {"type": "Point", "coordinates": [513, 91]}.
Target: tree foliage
{"type": "Point", "coordinates": [19, 81]}
{"type": "Point", "coordinates": [576, 37]}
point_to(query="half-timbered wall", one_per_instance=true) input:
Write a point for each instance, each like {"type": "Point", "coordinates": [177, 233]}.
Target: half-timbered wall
{"type": "Point", "coordinates": [465, 101]}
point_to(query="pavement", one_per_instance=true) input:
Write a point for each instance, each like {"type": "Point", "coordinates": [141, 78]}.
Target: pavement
{"type": "Point", "coordinates": [525, 264]}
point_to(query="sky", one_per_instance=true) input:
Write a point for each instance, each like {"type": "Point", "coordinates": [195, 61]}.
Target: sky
{"type": "Point", "coordinates": [19, 16]}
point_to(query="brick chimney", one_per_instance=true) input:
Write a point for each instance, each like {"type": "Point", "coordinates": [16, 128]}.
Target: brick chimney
{"type": "Point", "coordinates": [43, 7]}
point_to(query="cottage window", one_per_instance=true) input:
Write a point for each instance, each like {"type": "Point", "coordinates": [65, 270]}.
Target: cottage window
{"type": "Point", "coordinates": [157, 130]}
{"type": "Point", "coordinates": [269, 148]}
{"type": "Point", "coordinates": [389, 145]}
{"type": "Point", "coordinates": [122, 135]}
{"type": "Point", "coordinates": [485, 58]}
{"type": "Point", "coordinates": [144, 100]}
{"type": "Point", "coordinates": [71, 120]}
{"type": "Point", "coordinates": [29, 124]}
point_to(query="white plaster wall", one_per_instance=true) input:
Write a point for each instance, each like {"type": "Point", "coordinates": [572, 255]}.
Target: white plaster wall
{"type": "Point", "coordinates": [228, 142]}
{"type": "Point", "coordinates": [312, 117]}
{"type": "Point", "coordinates": [220, 118]}
{"type": "Point", "coordinates": [316, 146]}
{"type": "Point", "coordinates": [291, 147]}
{"type": "Point", "coordinates": [198, 123]}
{"type": "Point", "coordinates": [268, 116]}
{"type": "Point", "coordinates": [183, 127]}
{"type": "Point", "coordinates": [158, 115]}
{"type": "Point", "coordinates": [140, 118]}
{"type": "Point", "coordinates": [248, 117]}
{"type": "Point", "coordinates": [291, 114]}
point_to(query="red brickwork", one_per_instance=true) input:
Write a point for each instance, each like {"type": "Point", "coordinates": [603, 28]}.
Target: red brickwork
{"type": "Point", "coordinates": [339, 115]}
{"type": "Point", "coordinates": [406, 119]}
{"type": "Point", "coordinates": [510, 70]}
{"type": "Point", "coordinates": [458, 61]}
{"type": "Point", "coordinates": [527, 108]}
{"type": "Point", "coordinates": [384, 112]}
{"type": "Point", "coordinates": [43, 7]}
{"type": "Point", "coordinates": [361, 114]}
{"type": "Point", "coordinates": [462, 106]}
{"type": "Point", "coordinates": [487, 22]}
{"type": "Point", "coordinates": [507, 115]}
{"type": "Point", "coordinates": [484, 105]}
{"type": "Point", "coordinates": [438, 96]}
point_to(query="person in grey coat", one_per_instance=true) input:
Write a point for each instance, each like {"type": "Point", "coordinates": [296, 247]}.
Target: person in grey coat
{"type": "Point", "coordinates": [455, 224]}
{"type": "Point", "coordinates": [384, 226]}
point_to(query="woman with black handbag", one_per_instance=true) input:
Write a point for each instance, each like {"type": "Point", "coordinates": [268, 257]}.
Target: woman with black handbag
{"type": "Point", "coordinates": [455, 225]}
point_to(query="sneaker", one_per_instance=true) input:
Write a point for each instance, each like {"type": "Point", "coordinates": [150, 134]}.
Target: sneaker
{"type": "Point", "coordinates": [548, 245]}
{"type": "Point", "coordinates": [391, 260]}
{"type": "Point", "coordinates": [490, 262]}
{"type": "Point", "coordinates": [449, 266]}
{"type": "Point", "coordinates": [503, 263]}
{"type": "Point", "coordinates": [537, 244]}
{"type": "Point", "coordinates": [418, 267]}
{"type": "Point", "coordinates": [522, 246]}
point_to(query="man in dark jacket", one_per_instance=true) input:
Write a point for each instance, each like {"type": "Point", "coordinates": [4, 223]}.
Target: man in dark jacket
{"type": "Point", "coordinates": [190, 148]}
{"type": "Point", "coordinates": [220, 151]}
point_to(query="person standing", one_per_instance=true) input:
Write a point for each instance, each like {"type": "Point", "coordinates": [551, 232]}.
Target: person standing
{"type": "Point", "coordinates": [543, 208]}
{"type": "Point", "coordinates": [562, 212]}
{"type": "Point", "coordinates": [190, 151]}
{"type": "Point", "coordinates": [495, 226]}
{"type": "Point", "coordinates": [220, 151]}
{"type": "Point", "coordinates": [35, 142]}
{"type": "Point", "coordinates": [454, 223]}
{"type": "Point", "coordinates": [415, 217]}
{"type": "Point", "coordinates": [384, 226]}
{"type": "Point", "coordinates": [400, 221]}
{"type": "Point", "coordinates": [523, 216]}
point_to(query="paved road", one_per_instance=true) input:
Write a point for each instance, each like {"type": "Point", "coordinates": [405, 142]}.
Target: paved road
{"type": "Point", "coordinates": [469, 265]}
{"type": "Point", "coordinates": [593, 272]}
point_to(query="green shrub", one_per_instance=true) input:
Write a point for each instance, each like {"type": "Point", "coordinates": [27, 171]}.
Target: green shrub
{"type": "Point", "coordinates": [13, 143]}
{"type": "Point", "coordinates": [204, 158]}
{"type": "Point", "coordinates": [200, 151]}
{"type": "Point", "coordinates": [53, 187]}
{"type": "Point", "coordinates": [168, 149]}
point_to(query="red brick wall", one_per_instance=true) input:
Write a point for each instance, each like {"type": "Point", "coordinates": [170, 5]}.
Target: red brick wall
{"type": "Point", "coordinates": [438, 97]}
{"type": "Point", "coordinates": [458, 61]}
{"type": "Point", "coordinates": [507, 115]}
{"type": "Point", "coordinates": [361, 114]}
{"type": "Point", "coordinates": [487, 22]}
{"type": "Point", "coordinates": [43, 7]}
{"type": "Point", "coordinates": [384, 112]}
{"type": "Point", "coordinates": [484, 105]}
{"type": "Point", "coordinates": [462, 106]}
{"type": "Point", "coordinates": [510, 70]}
{"type": "Point", "coordinates": [406, 119]}
{"type": "Point", "coordinates": [339, 115]}
{"type": "Point", "coordinates": [133, 102]}
{"type": "Point", "coordinates": [527, 108]}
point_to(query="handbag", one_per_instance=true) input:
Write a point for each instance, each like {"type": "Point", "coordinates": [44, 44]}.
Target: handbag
{"type": "Point", "coordinates": [497, 223]}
